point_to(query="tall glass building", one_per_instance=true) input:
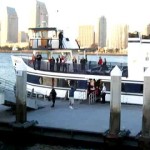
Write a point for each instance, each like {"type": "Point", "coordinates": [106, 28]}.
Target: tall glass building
{"type": "Point", "coordinates": [39, 15]}
{"type": "Point", "coordinates": [9, 26]}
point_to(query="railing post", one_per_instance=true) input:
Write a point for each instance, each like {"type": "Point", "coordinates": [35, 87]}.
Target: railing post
{"type": "Point", "coordinates": [114, 136]}
{"type": "Point", "coordinates": [21, 96]}
{"type": "Point", "coordinates": [146, 105]}
{"type": "Point", "coordinates": [92, 97]}
{"type": "Point", "coordinates": [89, 97]}
{"type": "Point", "coordinates": [115, 102]}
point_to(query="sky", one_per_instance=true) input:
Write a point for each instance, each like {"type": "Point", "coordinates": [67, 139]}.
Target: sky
{"type": "Point", "coordinates": [69, 14]}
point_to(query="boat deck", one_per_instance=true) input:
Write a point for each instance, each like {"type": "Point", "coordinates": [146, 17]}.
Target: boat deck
{"type": "Point", "coordinates": [91, 67]}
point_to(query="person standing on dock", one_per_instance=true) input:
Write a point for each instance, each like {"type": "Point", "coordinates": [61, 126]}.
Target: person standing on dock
{"type": "Point", "coordinates": [103, 93]}
{"type": "Point", "coordinates": [71, 97]}
{"type": "Point", "coordinates": [53, 96]}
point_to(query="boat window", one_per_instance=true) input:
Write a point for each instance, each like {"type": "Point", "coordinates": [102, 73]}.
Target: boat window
{"type": "Point", "coordinates": [79, 84]}
{"type": "Point", "coordinates": [33, 79]}
{"type": "Point", "coordinates": [145, 36]}
{"type": "Point", "coordinates": [132, 88]}
{"type": "Point", "coordinates": [82, 84]}
{"type": "Point", "coordinates": [107, 84]}
{"type": "Point", "coordinates": [57, 82]}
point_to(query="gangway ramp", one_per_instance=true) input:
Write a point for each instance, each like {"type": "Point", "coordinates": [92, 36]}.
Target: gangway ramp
{"type": "Point", "coordinates": [5, 85]}
{"type": "Point", "coordinates": [8, 97]}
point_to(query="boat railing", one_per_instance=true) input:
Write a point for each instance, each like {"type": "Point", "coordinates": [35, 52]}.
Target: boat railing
{"type": "Point", "coordinates": [92, 97]}
{"type": "Point", "coordinates": [88, 68]}
{"type": "Point", "coordinates": [7, 90]}
{"type": "Point", "coordinates": [6, 85]}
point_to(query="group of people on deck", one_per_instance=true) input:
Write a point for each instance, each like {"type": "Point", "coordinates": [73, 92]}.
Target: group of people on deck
{"type": "Point", "coordinates": [83, 62]}
{"type": "Point", "coordinates": [36, 60]}
{"type": "Point", "coordinates": [58, 64]}
{"type": "Point", "coordinates": [61, 63]}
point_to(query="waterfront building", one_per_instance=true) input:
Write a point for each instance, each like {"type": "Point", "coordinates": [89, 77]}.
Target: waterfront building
{"type": "Point", "coordinates": [22, 37]}
{"type": "Point", "coordinates": [118, 37]}
{"type": "Point", "coordinates": [86, 36]}
{"type": "Point", "coordinates": [9, 26]}
{"type": "Point", "coordinates": [146, 30]}
{"type": "Point", "coordinates": [39, 15]}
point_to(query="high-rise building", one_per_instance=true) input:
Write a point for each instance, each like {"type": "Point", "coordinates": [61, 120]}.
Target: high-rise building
{"type": "Point", "coordinates": [102, 32]}
{"type": "Point", "coordinates": [9, 26]}
{"type": "Point", "coordinates": [86, 36]}
{"type": "Point", "coordinates": [39, 15]}
{"type": "Point", "coordinates": [146, 30]}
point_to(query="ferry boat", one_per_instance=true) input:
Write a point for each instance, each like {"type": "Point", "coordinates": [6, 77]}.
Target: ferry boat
{"type": "Point", "coordinates": [67, 73]}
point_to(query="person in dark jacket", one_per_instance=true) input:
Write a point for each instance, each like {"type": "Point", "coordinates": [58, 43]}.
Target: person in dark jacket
{"type": "Point", "coordinates": [74, 61]}
{"type": "Point", "coordinates": [83, 63]}
{"type": "Point", "coordinates": [71, 97]}
{"type": "Point", "coordinates": [38, 59]}
{"type": "Point", "coordinates": [53, 96]}
{"type": "Point", "coordinates": [60, 39]}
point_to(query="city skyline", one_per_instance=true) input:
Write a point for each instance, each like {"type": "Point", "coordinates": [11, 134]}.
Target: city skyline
{"type": "Point", "coordinates": [69, 15]}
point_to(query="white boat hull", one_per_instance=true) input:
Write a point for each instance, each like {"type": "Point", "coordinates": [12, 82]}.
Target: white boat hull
{"type": "Point", "coordinates": [80, 94]}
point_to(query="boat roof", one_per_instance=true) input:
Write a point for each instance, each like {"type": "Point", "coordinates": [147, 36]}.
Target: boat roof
{"type": "Point", "coordinates": [36, 29]}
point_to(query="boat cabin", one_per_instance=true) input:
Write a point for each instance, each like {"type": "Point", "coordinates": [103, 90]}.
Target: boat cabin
{"type": "Point", "coordinates": [47, 38]}
{"type": "Point", "coordinates": [41, 38]}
